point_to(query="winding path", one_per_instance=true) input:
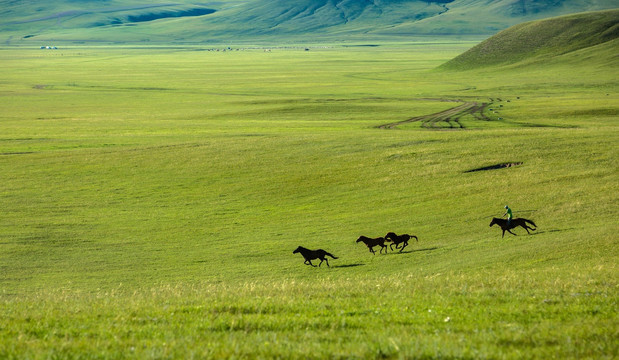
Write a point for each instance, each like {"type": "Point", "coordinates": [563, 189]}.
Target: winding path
{"type": "Point", "coordinates": [450, 117]}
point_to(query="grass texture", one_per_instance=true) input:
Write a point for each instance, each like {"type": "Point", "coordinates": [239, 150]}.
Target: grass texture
{"type": "Point", "coordinates": [152, 198]}
{"type": "Point", "coordinates": [545, 39]}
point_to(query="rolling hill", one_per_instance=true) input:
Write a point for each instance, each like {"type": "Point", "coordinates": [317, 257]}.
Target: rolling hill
{"type": "Point", "coordinates": [183, 21]}
{"type": "Point", "coordinates": [545, 39]}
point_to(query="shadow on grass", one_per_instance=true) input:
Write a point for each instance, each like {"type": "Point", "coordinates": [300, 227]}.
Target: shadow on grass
{"type": "Point", "coordinates": [412, 251]}
{"type": "Point", "coordinates": [550, 231]}
{"type": "Point", "coordinates": [538, 232]}
{"type": "Point", "coordinates": [347, 265]}
{"type": "Point", "coordinates": [426, 249]}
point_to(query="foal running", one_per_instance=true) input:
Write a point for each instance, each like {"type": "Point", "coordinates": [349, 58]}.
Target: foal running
{"type": "Point", "coordinates": [310, 255]}
{"type": "Point", "coordinates": [399, 239]}
{"type": "Point", "coordinates": [370, 243]}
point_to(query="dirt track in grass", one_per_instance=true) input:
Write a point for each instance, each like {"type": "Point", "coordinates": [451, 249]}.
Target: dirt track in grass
{"type": "Point", "coordinates": [447, 119]}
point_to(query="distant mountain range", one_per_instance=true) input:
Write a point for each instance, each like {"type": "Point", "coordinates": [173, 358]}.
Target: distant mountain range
{"type": "Point", "coordinates": [236, 21]}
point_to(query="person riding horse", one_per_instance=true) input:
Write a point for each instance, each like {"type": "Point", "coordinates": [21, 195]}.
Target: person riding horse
{"type": "Point", "coordinates": [508, 212]}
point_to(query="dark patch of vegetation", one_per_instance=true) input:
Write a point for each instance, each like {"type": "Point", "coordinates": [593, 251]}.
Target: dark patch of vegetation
{"type": "Point", "coordinates": [592, 112]}
{"type": "Point", "coordinates": [170, 14]}
{"type": "Point", "coordinates": [363, 45]}
{"type": "Point", "coordinates": [17, 153]}
{"type": "Point", "coordinates": [495, 167]}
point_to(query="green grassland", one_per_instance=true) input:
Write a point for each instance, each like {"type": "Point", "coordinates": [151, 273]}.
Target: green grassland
{"type": "Point", "coordinates": [539, 41]}
{"type": "Point", "coordinates": [152, 198]}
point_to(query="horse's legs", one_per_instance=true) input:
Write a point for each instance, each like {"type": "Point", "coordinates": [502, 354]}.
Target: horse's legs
{"type": "Point", "coordinates": [509, 231]}
{"type": "Point", "coordinates": [403, 246]}
{"type": "Point", "coordinates": [310, 263]}
{"type": "Point", "coordinates": [325, 259]}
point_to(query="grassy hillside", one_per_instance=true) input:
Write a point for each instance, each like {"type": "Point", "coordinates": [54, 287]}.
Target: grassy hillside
{"type": "Point", "coordinates": [489, 17]}
{"type": "Point", "coordinates": [152, 199]}
{"type": "Point", "coordinates": [234, 21]}
{"type": "Point", "coordinates": [542, 40]}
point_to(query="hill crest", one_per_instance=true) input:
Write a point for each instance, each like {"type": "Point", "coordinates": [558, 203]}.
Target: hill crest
{"type": "Point", "coordinates": [540, 40]}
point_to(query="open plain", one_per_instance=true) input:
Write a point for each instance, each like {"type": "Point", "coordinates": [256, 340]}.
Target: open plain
{"type": "Point", "coordinates": [152, 197]}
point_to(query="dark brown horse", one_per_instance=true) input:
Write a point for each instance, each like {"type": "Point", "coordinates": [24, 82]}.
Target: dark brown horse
{"type": "Point", "coordinates": [310, 255]}
{"type": "Point", "coordinates": [370, 243]}
{"type": "Point", "coordinates": [503, 223]}
{"type": "Point", "coordinates": [399, 239]}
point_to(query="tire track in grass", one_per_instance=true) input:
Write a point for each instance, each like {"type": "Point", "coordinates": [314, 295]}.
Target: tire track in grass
{"type": "Point", "coordinates": [450, 117]}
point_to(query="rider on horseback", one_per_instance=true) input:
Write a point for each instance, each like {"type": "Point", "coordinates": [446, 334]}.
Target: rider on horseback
{"type": "Point", "coordinates": [508, 212]}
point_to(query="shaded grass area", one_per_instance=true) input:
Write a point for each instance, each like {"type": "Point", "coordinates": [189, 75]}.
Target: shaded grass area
{"type": "Point", "coordinates": [152, 200]}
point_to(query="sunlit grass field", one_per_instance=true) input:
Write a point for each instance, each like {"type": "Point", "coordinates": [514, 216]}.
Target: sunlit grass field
{"type": "Point", "coordinates": [152, 198]}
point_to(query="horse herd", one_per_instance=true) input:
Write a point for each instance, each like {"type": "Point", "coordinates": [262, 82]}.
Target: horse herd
{"type": "Point", "coordinates": [400, 241]}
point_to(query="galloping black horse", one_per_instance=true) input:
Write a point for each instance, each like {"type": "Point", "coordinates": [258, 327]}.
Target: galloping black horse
{"type": "Point", "coordinates": [514, 223]}
{"type": "Point", "coordinates": [370, 243]}
{"type": "Point", "coordinates": [399, 239]}
{"type": "Point", "coordinates": [310, 255]}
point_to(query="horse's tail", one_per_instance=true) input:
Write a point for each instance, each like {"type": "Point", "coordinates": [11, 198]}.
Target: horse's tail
{"type": "Point", "coordinates": [326, 253]}
{"type": "Point", "coordinates": [530, 222]}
